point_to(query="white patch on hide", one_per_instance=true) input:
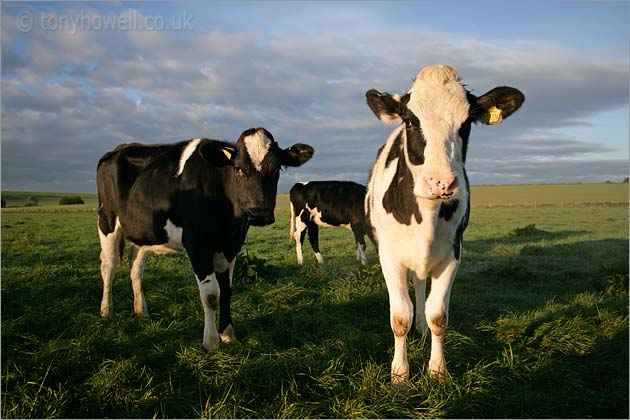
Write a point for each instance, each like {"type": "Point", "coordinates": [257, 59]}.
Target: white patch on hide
{"type": "Point", "coordinates": [186, 154]}
{"type": "Point", "coordinates": [316, 216]}
{"type": "Point", "coordinates": [257, 146]}
{"type": "Point", "coordinates": [439, 101]}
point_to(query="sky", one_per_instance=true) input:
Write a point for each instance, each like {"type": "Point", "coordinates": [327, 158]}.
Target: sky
{"type": "Point", "coordinates": [80, 78]}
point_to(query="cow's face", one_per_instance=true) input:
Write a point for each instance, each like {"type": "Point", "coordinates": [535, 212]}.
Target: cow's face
{"type": "Point", "coordinates": [255, 172]}
{"type": "Point", "coordinates": [437, 113]}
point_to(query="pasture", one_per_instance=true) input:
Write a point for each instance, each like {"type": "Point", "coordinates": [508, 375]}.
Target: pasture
{"type": "Point", "coordinates": [538, 321]}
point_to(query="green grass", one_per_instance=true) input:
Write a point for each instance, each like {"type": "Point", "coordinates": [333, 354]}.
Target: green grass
{"type": "Point", "coordinates": [539, 325]}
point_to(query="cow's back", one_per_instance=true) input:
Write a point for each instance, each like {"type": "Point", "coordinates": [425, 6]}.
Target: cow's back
{"type": "Point", "coordinates": [340, 202]}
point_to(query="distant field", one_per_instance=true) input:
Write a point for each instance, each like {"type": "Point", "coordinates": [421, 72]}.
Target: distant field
{"type": "Point", "coordinates": [564, 195]}
{"type": "Point", "coordinates": [48, 200]}
{"type": "Point", "coordinates": [538, 321]}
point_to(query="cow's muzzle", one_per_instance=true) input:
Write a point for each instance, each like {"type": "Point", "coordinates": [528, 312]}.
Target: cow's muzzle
{"type": "Point", "coordinates": [260, 217]}
{"type": "Point", "coordinates": [438, 188]}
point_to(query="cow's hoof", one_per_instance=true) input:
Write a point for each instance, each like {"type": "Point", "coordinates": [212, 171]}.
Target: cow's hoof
{"type": "Point", "coordinates": [437, 370]}
{"type": "Point", "coordinates": [399, 382]}
{"type": "Point", "coordinates": [143, 315]}
{"type": "Point", "coordinates": [228, 336]}
{"type": "Point", "coordinates": [400, 386]}
{"type": "Point", "coordinates": [211, 345]}
{"type": "Point", "coordinates": [399, 375]}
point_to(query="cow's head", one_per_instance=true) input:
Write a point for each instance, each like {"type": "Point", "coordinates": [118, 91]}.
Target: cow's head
{"type": "Point", "coordinates": [256, 164]}
{"type": "Point", "coordinates": [437, 114]}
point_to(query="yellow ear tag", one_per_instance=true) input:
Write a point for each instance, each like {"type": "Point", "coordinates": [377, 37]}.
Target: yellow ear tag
{"type": "Point", "coordinates": [227, 152]}
{"type": "Point", "coordinates": [492, 116]}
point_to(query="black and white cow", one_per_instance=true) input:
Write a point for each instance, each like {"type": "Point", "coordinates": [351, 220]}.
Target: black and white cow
{"type": "Point", "coordinates": [327, 203]}
{"type": "Point", "coordinates": [418, 197]}
{"type": "Point", "coordinates": [200, 196]}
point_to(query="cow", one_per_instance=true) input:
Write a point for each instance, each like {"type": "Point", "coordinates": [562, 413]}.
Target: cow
{"type": "Point", "coordinates": [327, 203]}
{"type": "Point", "coordinates": [200, 196]}
{"type": "Point", "coordinates": [418, 199]}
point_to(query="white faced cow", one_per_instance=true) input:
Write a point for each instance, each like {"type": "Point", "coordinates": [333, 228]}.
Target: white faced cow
{"type": "Point", "coordinates": [327, 203]}
{"type": "Point", "coordinates": [418, 197]}
{"type": "Point", "coordinates": [200, 196]}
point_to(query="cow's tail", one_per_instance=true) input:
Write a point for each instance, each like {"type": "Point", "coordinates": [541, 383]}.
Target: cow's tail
{"type": "Point", "coordinates": [292, 224]}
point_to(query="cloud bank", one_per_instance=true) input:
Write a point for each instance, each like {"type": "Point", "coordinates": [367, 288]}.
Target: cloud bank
{"type": "Point", "coordinates": [67, 98]}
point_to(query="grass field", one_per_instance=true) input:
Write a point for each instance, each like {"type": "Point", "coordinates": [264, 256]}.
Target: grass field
{"type": "Point", "coordinates": [538, 321]}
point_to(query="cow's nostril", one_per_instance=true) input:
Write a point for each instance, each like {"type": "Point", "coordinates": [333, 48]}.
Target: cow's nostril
{"type": "Point", "coordinates": [452, 185]}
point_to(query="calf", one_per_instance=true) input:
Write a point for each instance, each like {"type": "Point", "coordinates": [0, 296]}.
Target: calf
{"type": "Point", "coordinates": [327, 203]}
{"type": "Point", "coordinates": [418, 197]}
{"type": "Point", "coordinates": [200, 196]}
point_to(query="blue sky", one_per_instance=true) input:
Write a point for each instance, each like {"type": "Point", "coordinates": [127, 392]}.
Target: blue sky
{"type": "Point", "coordinates": [301, 70]}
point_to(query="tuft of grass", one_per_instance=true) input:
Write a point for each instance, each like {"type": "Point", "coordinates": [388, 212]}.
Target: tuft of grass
{"type": "Point", "coordinates": [528, 231]}
{"type": "Point", "coordinates": [616, 285]}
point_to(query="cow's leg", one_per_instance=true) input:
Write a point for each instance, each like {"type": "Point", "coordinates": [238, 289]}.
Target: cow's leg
{"type": "Point", "coordinates": [436, 311]}
{"type": "Point", "coordinates": [137, 259]}
{"type": "Point", "coordinates": [401, 314]}
{"type": "Point", "coordinates": [313, 238]}
{"type": "Point", "coordinates": [226, 329]}
{"type": "Point", "coordinates": [420, 288]}
{"type": "Point", "coordinates": [209, 292]}
{"type": "Point", "coordinates": [110, 248]}
{"type": "Point", "coordinates": [229, 336]}
{"type": "Point", "coordinates": [359, 237]}
{"type": "Point", "coordinates": [298, 235]}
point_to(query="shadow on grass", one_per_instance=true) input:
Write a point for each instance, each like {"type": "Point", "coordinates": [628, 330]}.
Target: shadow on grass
{"type": "Point", "coordinates": [561, 360]}
{"type": "Point", "coordinates": [527, 235]}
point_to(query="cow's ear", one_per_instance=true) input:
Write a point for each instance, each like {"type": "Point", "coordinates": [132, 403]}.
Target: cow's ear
{"type": "Point", "coordinates": [218, 154]}
{"type": "Point", "coordinates": [495, 105]}
{"type": "Point", "coordinates": [386, 107]}
{"type": "Point", "coordinates": [297, 155]}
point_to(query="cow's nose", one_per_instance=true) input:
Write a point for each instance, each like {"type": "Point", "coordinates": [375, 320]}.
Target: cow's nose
{"type": "Point", "coordinates": [260, 217]}
{"type": "Point", "coordinates": [440, 186]}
